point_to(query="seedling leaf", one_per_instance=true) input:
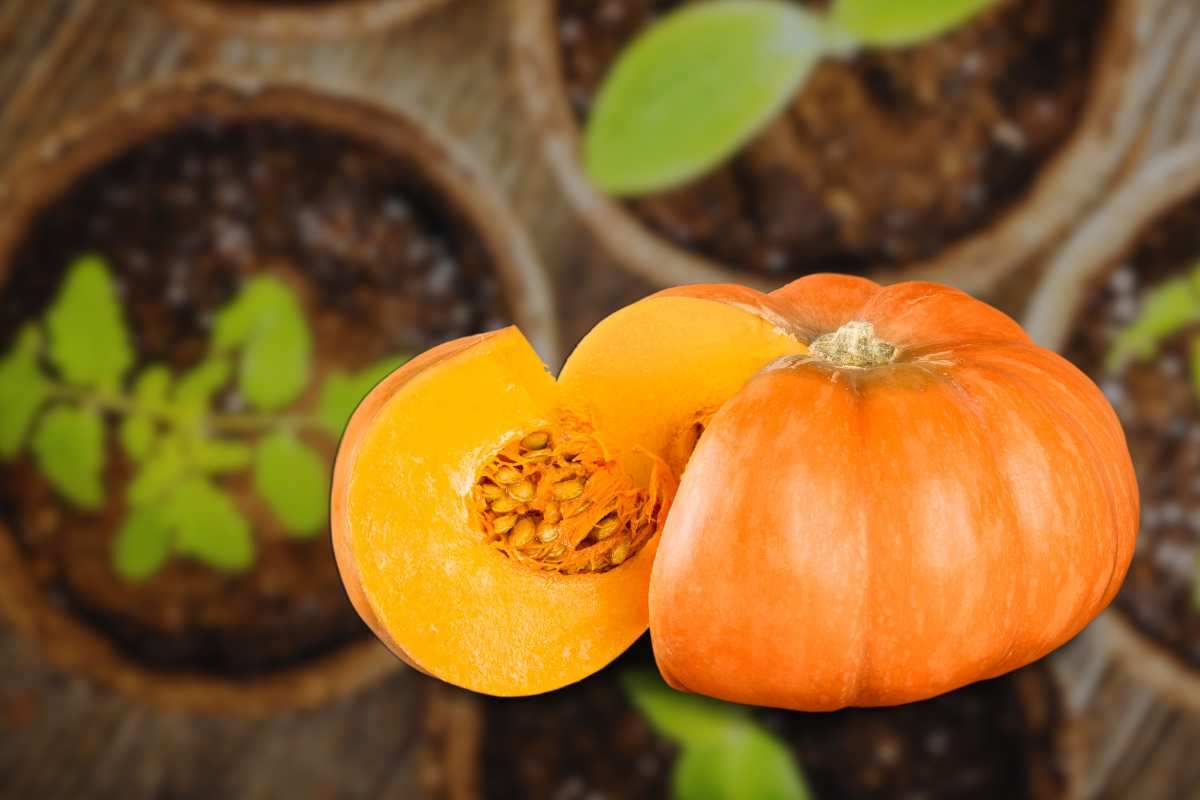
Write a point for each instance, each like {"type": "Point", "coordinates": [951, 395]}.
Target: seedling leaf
{"type": "Point", "coordinates": [23, 389]}
{"type": "Point", "coordinates": [143, 543]}
{"type": "Point", "coordinates": [894, 23]}
{"type": "Point", "coordinates": [137, 436]}
{"type": "Point", "coordinates": [686, 719]}
{"type": "Point", "coordinates": [695, 87]}
{"type": "Point", "coordinates": [266, 321]}
{"type": "Point", "coordinates": [294, 481]}
{"type": "Point", "coordinates": [216, 456]}
{"type": "Point", "coordinates": [68, 444]}
{"type": "Point", "coordinates": [151, 388]}
{"type": "Point", "coordinates": [209, 527]}
{"type": "Point", "coordinates": [342, 392]}
{"type": "Point", "coordinates": [89, 343]}
{"type": "Point", "coordinates": [195, 389]}
{"type": "Point", "coordinates": [149, 394]}
{"type": "Point", "coordinates": [159, 472]}
{"type": "Point", "coordinates": [1166, 309]}
{"type": "Point", "coordinates": [747, 764]}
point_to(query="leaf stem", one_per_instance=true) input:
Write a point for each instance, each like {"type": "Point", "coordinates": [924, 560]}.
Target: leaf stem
{"type": "Point", "coordinates": [116, 402]}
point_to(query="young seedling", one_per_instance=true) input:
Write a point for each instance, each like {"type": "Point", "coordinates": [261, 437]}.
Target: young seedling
{"type": "Point", "coordinates": [724, 753]}
{"type": "Point", "coordinates": [698, 84]}
{"type": "Point", "coordinates": [69, 373]}
{"type": "Point", "coordinates": [1166, 310]}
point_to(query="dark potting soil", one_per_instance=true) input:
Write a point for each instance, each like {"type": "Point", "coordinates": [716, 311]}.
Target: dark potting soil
{"type": "Point", "coordinates": [886, 158]}
{"type": "Point", "coordinates": [1159, 407]}
{"type": "Point", "coordinates": [994, 739]}
{"type": "Point", "coordinates": [383, 266]}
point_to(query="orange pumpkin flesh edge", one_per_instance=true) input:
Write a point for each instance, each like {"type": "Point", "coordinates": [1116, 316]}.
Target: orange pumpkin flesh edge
{"type": "Point", "coordinates": [878, 535]}
{"type": "Point", "coordinates": [841, 535]}
{"type": "Point", "coordinates": [408, 544]}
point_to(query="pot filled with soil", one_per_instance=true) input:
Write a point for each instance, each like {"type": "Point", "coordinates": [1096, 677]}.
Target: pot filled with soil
{"type": "Point", "coordinates": [622, 733]}
{"type": "Point", "coordinates": [1123, 302]}
{"type": "Point", "coordinates": [197, 286]}
{"type": "Point", "coordinates": [952, 159]}
{"type": "Point", "coordinates": [297, 19]}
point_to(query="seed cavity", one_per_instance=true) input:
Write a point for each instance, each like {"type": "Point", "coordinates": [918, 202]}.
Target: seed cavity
{"type": "Point", "coordinates": [553, 499]}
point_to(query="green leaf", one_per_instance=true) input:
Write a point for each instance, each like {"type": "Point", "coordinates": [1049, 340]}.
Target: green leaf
{"type": "Point", "coordinates": [165, 466]}
{"type": "Point", "coordinates": [686, 719]}
{"type": "Point", "coordinates": [747, 764]}
{"type": "Point", "coordinates": [294, 481]}
{"type": "Point", "coordinates": [23, 390]}
{"type": "Point", "coordinates": [138, 430]}
{"type": "Point", "coordinates": [218, 456]}
{"type": "Point", "coordinates": [266, 321]}
{"type": "Point", "coordinates": [695, 87]}
{"type": "Point", "coordinates": [195, 390]}
{"type": "Point", "coordinates": [68, 445]}
{"type": "Point", "coordinates": [1166, 310]}
{"type": "Point", "coordinates": [342, 392]}
{"type": "Point", "coordinates": [143, 543]}
{"type": "Point", "coordinates": [89, 343]}
{"type": "Point", "coordinates": [897, 23]}
{"type": "Point", "coordinates": [137, 436]}
{"type": "Point", "coordinates": [151, 387]}
{"type": "Point", "coordinates": [209, 527]}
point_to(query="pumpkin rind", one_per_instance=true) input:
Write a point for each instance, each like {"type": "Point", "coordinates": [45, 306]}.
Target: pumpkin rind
{"type": "Point", "coordinates": [849, 536]}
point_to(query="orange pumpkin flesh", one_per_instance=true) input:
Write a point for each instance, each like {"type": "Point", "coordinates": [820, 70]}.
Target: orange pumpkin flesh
{"type": "Point", "coordinates": [461, 590]}
{"type": "Point", "coordinates": [923, 500]}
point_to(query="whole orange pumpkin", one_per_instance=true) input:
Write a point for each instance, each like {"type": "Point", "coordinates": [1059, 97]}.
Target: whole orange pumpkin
{"type": "Point", "coordinates": [925, 499]}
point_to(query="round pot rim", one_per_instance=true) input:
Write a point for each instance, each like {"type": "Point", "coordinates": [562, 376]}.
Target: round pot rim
{"type": "Point", "coordinates": [1092, 252]}
{"type": "Point", "coordinates": [268, 20]}
{"type": "Point", "coordinates": [1122, 78]}
{"type": "Point", "coordinates": [50, 165]}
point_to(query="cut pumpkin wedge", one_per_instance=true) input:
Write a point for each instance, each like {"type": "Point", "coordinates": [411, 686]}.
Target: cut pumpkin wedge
{"type": "Point", "coordinates": [510, 569]}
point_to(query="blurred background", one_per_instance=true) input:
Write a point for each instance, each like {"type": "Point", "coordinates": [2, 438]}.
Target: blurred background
{"type": "Point", "coordinates": [191, 189]}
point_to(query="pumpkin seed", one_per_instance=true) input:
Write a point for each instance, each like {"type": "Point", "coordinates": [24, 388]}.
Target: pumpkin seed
{"type": "Point", "coordinates": [522, 491]}
{"type": "Point", "coordinates": [490, 490]}
{"type": "Point", "coordinates": [536, 441]}
{"type": "Point", "coordinates": [523, 532]}
{"type": "Point", "coordinates": [504, 505]}
{"type": "Point", "coordinates": [606, 527]}
{"type": "Point", "coordinates": [620, 553]}
{"type": "Point", "coordinates": [504, 524]}
{"type": "Point", "coordinates": [546, 532]}
{"type": "Point", "coordinates": [507, 476]}
{"type": "Point", "coordinates": [568, 489]}
{"type": "Point", "coordinates": [557, 553]}
{"type": "Point", "coordinates": [551, 512]}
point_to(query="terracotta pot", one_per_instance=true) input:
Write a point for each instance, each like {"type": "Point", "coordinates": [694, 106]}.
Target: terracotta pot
{"type": "Point", "coordinates": [49, 168]}
{"type": "Point", "coordinates": [462, 719]}
{"type": "Point", "coordinates": [1128, 68]}
{"type": "Point", "coordinates": [1142, 700]}
{"type": "Point", "coordinates": [324, 20]}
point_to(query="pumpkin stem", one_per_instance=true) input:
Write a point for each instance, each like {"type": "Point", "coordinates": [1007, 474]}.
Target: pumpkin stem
{"type": "Point", "coordinates": [853, 345]}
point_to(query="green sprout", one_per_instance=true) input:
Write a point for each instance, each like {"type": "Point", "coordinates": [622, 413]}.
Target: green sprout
{"type": "Point", "coordinates": [1165, 310]}
{"type": "Point", "coordinates": [725, 754]}
{"type": "Point", "coordinates": [63, 377]}
{"type": "Point", "coordinates": [697, 85]}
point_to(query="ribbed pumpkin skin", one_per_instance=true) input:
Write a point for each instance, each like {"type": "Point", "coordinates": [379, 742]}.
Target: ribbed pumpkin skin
{"type": "Point", "coordinates": [863, 537]}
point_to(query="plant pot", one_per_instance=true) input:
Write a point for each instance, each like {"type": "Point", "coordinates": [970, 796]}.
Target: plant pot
{"type": "Point", "coordinates": [1004, 738]}
{"type": "Point", "coordinates": [1144, 659]}
{"type": "Point", "coordinates": [1109, 111]}
{"type": "Point", "coordinates": [387, 234]}
{"type": "Point", "coordinates": [297, 19]}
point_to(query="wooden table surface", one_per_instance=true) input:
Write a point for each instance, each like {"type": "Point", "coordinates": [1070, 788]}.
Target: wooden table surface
{"type": "Point", "coordinates": [61, 738]}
